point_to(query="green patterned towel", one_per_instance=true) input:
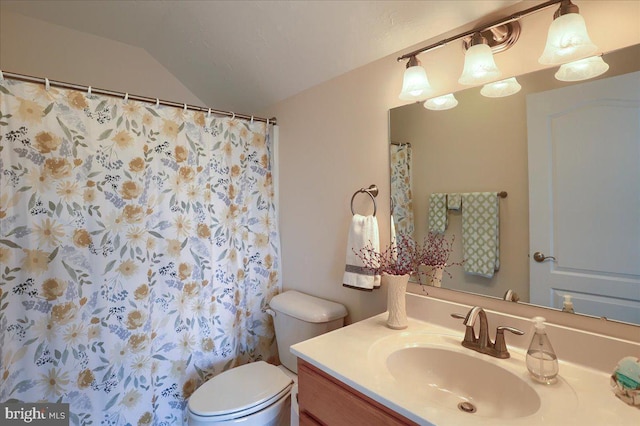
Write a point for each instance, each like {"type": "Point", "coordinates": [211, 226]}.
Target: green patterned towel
{"type": "Point", "coordinates": [454, 201]}
{"type": "Point", "coordinates": [480, 233]}
{"type": "Point", "coordinates": [437, 213]}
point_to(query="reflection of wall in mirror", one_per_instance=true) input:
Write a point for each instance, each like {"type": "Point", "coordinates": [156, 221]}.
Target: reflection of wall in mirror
{"type": "Point", "coordinates": [481, 145]}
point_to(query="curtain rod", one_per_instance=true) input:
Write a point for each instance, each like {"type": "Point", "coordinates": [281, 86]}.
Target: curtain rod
{"type": "Point", "coordinates": [64, 85]}
{"type": "Point", "coordinates": [510, 18]}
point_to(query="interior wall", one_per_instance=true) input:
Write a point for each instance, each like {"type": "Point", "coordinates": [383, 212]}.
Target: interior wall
{"type": "Point", "coordinates": [334, 140]}
{"type": "Point", "coordinates": [40, 49]}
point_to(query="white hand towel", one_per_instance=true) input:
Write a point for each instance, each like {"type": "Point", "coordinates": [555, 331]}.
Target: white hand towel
{"type": "Point", "coordinates": [362, 233]}
{"type": "Point", "coordinates": [480, 233]}
{"type": "Point", "coordinates": [437, 213]}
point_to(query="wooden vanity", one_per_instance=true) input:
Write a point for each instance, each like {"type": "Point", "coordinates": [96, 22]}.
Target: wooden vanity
{"type": "Point", "coordinates": [324, 400]}
{"type": "Point", "coordinates": [366, 374]}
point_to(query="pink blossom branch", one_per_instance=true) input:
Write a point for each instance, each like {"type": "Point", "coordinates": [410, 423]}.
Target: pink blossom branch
{"type": "Point", "coordinates": [405, 256]}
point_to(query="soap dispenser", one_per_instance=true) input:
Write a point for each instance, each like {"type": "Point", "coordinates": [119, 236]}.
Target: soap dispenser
{"type": "Point", "coordinates": [567, 305]}
{"type": "Point", "coordinates": [542, 361]}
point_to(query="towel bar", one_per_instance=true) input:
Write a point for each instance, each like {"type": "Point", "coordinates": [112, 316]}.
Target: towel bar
{"type": "Point", "coordinates": [373, 193]}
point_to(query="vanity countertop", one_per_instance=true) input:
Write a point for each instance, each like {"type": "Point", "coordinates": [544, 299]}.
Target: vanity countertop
{"type": "Point", "coordinates": [356, 355]}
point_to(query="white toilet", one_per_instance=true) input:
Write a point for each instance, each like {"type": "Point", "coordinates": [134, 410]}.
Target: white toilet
{"type": "Point", "coordinates": [259, 393]}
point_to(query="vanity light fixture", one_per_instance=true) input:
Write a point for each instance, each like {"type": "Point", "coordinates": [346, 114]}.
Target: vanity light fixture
{"type": "Point", "coordinates": [567, 42]}
{"type": "Point", "coordinates": [415, 85]}
{"type": "Point", "coordinates": [500, 89]}
{"type": "Point", "coordinates": [582, 69]}
{"type": "Point", "coordinates": [567, 39]}
{"type": "Point", "coordinates": [441, 103]}
{"type": "Point", "coordinates": [479, 65]}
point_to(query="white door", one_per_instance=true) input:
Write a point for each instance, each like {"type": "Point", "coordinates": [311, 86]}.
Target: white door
{"type": "Point", "coordinates": [584, 196]}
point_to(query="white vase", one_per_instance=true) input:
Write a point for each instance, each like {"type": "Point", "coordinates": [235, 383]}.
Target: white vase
{"type": "Point", "coordinates": [436, 275]}
{"type": "Point", "coordinates": [396, 300]}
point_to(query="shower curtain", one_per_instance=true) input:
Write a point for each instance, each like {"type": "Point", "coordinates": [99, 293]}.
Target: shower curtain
{"type": "Point", "coordinates": [401, 197]}
{"type": "Point", "coordinates": [138, 248]}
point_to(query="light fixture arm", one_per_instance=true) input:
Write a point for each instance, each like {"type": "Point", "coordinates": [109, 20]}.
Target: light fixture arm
{"type": "Point", "coordinates": [514, 17]}
{"type": "Point", "coordinates": [477, 38]}
{"type": "Point", "coordinates": [413, 62]}
{"type": "Point", "coordinates": [566, 7]}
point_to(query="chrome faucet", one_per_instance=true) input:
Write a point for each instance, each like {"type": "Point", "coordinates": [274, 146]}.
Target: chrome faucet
{"type": "Point", "coordinates": [483, 343]}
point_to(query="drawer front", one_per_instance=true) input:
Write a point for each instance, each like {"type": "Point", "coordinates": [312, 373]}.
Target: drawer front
{"type": "Point", "coordinates": [330, 402]}
{"type": "Point", "coordinates": [307, 420]}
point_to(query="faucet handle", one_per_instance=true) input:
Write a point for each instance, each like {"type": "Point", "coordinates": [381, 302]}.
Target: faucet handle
{"type": "Point", "coordinates": [500, 344]}
{"type": "Point", "coordinates": [517, 331]}
{"type": "Point", "coordinates": [458, 316]}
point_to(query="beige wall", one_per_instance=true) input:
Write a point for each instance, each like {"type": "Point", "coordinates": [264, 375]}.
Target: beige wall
{"type": "Point", "coordinates": [40, 49]}
{"type": "Point", "coordinates": [334, 137]}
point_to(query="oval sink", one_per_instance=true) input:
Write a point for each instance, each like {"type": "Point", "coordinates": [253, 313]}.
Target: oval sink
{"type": "Point", "coordinates": [463, 382]}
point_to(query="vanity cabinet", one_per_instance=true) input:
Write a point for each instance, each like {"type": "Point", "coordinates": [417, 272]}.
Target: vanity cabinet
{"type": "Point", "coordinates": [324, 400]}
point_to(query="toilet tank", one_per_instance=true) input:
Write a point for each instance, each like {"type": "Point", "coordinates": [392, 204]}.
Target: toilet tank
{"type": "Point", "coordinates": [298, 316]}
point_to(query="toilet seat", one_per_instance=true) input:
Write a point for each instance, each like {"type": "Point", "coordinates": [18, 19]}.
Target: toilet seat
{"type": "Point", "coordinates": [240, 391]}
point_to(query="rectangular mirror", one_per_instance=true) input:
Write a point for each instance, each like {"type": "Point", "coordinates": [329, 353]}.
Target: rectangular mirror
{"type": "Point", "coordinates": [483, 145]}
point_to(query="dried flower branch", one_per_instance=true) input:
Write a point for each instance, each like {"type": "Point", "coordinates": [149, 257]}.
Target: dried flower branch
{"type": "Point", "coordinates": [405, 255]}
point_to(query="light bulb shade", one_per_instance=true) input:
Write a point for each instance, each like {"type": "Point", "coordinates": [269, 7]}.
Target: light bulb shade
{"type": "Point", "coordinates": [567, 40]}
{"type": "Point", "coordinates": [502, 88]}
{"type": "Point", "coordinates": [582, 69]}
{"type": "Point", "coordinates": [415, 85]}
{"type": "Point", "coordinates": [479, 66]}
{"type": "Point", "coordinates": [441, 103]}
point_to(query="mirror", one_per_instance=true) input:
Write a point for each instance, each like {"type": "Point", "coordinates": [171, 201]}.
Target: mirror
{"type": "Point", "coordinates": [481, 145]}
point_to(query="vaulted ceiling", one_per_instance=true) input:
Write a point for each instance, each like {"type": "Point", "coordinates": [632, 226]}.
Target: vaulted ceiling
{"type": "Point", "coordinates": [247, 55]}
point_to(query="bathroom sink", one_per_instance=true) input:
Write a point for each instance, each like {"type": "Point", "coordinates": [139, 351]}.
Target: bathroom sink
{"type": "Point", "coordinates": [465, 382]}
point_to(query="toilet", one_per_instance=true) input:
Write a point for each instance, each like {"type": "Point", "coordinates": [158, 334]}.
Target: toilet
{"type": "Point", "coordinates": [259, 393]}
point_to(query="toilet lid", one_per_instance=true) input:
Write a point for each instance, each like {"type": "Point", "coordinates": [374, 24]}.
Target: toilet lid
{"type": "Point", "coordinates": [239, 389]}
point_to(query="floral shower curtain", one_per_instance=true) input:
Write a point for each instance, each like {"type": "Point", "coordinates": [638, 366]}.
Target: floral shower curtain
{"type": "Point", "coordinates": [138, 246]}
{"type": "Point", "coordinates": [401, 196]}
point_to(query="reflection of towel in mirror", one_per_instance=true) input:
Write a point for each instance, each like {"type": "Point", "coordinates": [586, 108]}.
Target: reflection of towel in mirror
{"type": "Point", "coordinates": [480, 233]}
{"type": "Point", "coordinates": [362, 233]}
{"type": "Point", "coordinates": [393, 229]}
{"type": "Point", "coordinates": [437, 213]}
{"type": "Point", "coordinates": [454, 201]}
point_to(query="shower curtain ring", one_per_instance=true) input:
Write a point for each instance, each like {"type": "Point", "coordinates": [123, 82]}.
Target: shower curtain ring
{"type": "Point", "coordinates": [209, 113]}
{"type": "Point", "coordinates": [185, 108]}
{"type": "Point", "coordinates": [89, 91]}
{"type": "Point", "coordinates": [47, 85]}
{"type": "Point", "coordinates": [157, 102]}
{"type": "Point", "coordinates": [126, 97]}
{"type": "Point", "coordinates": [1, 75]}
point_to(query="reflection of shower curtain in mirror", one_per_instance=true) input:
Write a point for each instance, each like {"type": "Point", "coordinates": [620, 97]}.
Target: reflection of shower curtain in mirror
{"type": "Point", "coordinates": [401, 198]}
{"type": "Point", "coordinates": [138, 246]}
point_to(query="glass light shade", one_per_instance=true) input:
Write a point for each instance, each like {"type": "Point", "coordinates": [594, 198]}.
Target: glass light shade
{"type": "Point", "coordinates": [479, 66]}
{"type": "Point", "coordinates": [567, 40]}
{"type": "Point", "coordinates": [502, 88]}
{"type": "Point", "coordinates": [441, 102]}
{"type": "Point", "coordinates": [415, 85]}
{"type": "Point", "coordinates": [582, 69]}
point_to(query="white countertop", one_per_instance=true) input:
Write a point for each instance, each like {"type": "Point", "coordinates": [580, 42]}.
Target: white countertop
{"type": "Point", "coordinates": [356, 355]}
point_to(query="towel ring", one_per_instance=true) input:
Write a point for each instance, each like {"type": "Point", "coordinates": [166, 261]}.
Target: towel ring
{"type": "Point", "coordinates": [372, 191]}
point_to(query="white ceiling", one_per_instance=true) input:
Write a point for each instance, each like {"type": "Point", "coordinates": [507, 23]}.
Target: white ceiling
{"type": "Point", "coordinates": [247, 55]}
